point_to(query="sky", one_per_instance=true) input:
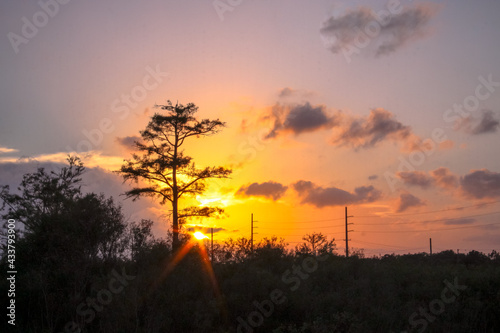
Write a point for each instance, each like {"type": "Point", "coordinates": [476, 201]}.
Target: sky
{"type": "Point", "coordinates": [389, 108]}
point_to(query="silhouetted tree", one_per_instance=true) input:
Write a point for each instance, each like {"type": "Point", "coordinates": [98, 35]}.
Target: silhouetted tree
{"type": "Point", "coordinates": [315, 244]}
{"type": "Point", "coordinates": [271, 246]}
{"type": "Point", "coordinates": [238, 249]}
{"type": "Point", "coordinates": [169, 173]}
{"type": "Point", "coordinates": [67, 234]}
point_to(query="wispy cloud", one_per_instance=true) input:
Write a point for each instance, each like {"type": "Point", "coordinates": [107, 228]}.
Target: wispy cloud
{"type": "Point", "coordinates": [378, 126]}
{"type": "Point", "coordinates": [4, 150]}
{"type": "Point", "coordinates": [90, 159]}
{"type": "Point", "coordinates": [288, 92]}
{"type": "Point", "coordinates": [487, 122]}
{"type": "Point", "coordinates": [270, 190]}
{"type": "Point", "coordinates": [416, 178]}
{"type": "Point", "coordinates": [318, 196]}
{"type": "Point", "coordinates": [205, 229]}
{"type": "Point", "coordinates": [444, 178]}
{"type": "Point", "coordinates": [385, 34]}
{"type": "Point", "coordinates": [128, 142]}
{"type": "Point", "coordinates": [406, 201]}
{"type": "Point", "coordinates": [460, 221]}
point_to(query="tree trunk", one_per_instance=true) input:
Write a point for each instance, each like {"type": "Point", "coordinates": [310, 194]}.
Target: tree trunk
{"type": "Point", "coordinates": [175, 197]}
{"type": "Point", "coordinates": [175, 225]}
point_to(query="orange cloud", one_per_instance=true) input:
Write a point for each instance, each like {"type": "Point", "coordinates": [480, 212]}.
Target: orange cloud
{"type": "Point", "coordinates": [331, 196]}
{"type": "Point", "coordinates": [446, 145]}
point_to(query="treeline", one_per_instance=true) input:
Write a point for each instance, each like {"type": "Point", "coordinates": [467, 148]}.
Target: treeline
{"type": "Point", "coordinates": [81, 267]}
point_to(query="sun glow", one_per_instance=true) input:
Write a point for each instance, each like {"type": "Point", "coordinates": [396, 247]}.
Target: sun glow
{"type": "Point", "coordinates": [199, 235]}
{"type": "Point", "coordinates": [217, 200]}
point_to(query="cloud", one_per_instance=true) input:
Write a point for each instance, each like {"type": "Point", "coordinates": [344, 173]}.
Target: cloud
{"type": "Point", "coordinates": [446, 145]}
{"type": "Point", "coordinates": [288, 93]}
{"type": "Point", "coordinates": [205, 230]}
{"type": "Point", "coordinates": [416, 178]}
{"type": "Point", "coordinates": [368, 131]}
{"type": "Point", "coordinates": [444, 178]}
{"type": "Point", "coordinates": [406, 201]}
{"type": "Point", "coordinates": [477, 184]}
{"type": "Point", "coordinates": [91, 159]}
{"type": "Point", "coordinates": [128, 141]}
{"type": "Point", "coordinates": [270, 190]}
{"type": "Point", "coordinates": [480, 184]}
{"type": "Point", "coordinates": [4, 150]}
{"type": "Point", "coordinates": [95, 179]}
{"type": "Point", "coordinates": [487, 122]}
{"type": "Point", "coordinates": [372, 177]}
{"type": "Point", "coordinates": [298, 119]}
{"type": "Point", "coordinates": [362, 26]}
{"type": "Point", "coordinates": [331, 196]}
{"type": "Point", "coordinates": [348, 130]}
{"type": "Point", "coordinates": [460, 221]}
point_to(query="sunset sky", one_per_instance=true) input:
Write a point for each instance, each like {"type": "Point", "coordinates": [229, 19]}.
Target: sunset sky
{"type": "Point", "coordinates": [391, 108]}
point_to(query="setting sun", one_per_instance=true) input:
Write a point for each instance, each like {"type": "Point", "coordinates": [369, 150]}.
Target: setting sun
{"type": "Point", "coordinates": [199, 235]}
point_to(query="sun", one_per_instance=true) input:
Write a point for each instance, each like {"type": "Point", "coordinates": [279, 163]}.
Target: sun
{"type": "Point", "coordinates": [199, 235]}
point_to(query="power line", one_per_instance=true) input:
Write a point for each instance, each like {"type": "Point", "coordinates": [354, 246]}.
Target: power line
{"type": "Point", "coordinates": [306, 228]}
{"type": "Point", "coordinates": [291, 222]}
{"type": "Point", "coordinates": [398, 248]}
{"type": "Point", "coordinates": [370, 243]}
{"type": "Point", "coordinates": [432, 211]}
{"type": "Point", "coordinates": [429, 221]}
{"type": "Point", "coordinates": [299, 235]}
{"type": "Point", "coordinates": [425, 230]}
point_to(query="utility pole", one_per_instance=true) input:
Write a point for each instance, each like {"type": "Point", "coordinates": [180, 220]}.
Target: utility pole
{"type": "Point", "coordinates": [212, 246]}
{"type": "Point", "coordinates": [252, 233]}
{"type": "Point", "coordinates": [430, 245]}
{"type": "Point", "coordinates": [347, 234]}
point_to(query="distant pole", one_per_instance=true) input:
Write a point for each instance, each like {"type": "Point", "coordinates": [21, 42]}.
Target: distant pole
{"type": "Point", "coordinates": [430, 244]}
{"type": "Point", "coordinates": [251, 234]}
{"type": "Point", "coordinates": [212, 245]}
{"type": "Point", "coordinates": [346, 236]}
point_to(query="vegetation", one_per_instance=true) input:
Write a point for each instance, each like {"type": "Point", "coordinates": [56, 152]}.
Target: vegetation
{"type": "Point", "coordinates": [83, 268]}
